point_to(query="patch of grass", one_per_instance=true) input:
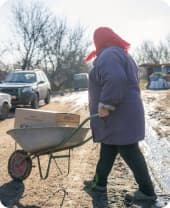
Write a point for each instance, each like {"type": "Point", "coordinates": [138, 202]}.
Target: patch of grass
{"type": "Point", "coordinates": [143, 84]}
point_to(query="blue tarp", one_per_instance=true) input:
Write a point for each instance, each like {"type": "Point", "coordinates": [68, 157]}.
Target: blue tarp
{"type": "Point", "coordinates": [157, 81]}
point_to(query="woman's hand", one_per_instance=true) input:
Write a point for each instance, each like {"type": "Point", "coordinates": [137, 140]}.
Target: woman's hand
{"type": "Point", "coordinates": [103, 112]}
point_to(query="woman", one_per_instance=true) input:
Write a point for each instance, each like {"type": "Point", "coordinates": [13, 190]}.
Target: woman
{"type": "Point", "coordinates": [115, 95]}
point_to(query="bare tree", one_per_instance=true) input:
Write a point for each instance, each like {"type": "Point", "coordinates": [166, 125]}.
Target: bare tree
{"type": "Point", "coordinates": [48, 42]}
{"type": "Point", "coordinates": [148, 52]}
{"type": "Point", "coordinates": [29, 21]}
{"type": "Point", "coordinates": [63, 51]}
{"type": "Point", "coordinates": [164, 48]}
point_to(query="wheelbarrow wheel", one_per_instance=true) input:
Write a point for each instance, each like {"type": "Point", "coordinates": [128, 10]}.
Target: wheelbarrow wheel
{"type": "Point", "coordinates": [19, 165]}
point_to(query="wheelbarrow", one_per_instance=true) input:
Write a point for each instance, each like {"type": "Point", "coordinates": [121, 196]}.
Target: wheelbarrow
{"type": "Point", "coordinates": [38, 141]}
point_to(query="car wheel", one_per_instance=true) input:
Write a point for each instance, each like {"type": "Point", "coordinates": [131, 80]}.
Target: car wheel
{"type": "Point", "coordinates": [47, 99]}
{"type": "Point", "coordinates": [4, 111]}
{"type": "Point", "coordinates": [35, 102]}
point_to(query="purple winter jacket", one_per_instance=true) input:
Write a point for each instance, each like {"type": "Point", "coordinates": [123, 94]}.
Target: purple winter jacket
{"type": "Point", "coordinates": [114, 81]}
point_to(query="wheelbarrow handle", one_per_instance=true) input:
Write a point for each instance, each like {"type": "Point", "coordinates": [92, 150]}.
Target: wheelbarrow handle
{"type": "Point", "coordinates": [82, 124]}
{"type": "Point", "coordinates": [87, 119]}
{"type": "Point", "coordinates": [78, 128]}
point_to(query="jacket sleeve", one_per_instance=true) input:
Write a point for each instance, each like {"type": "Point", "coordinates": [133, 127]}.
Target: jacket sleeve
{"type": "Point", "coordinates": [113, 79]}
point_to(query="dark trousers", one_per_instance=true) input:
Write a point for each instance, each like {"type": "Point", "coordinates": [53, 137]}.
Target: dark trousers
{"type": "Point", "coordinates": [133, 157]}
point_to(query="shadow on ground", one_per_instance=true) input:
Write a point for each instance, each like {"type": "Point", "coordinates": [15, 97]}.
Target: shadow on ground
{"type": "Point", "coordinates": [11, 193]}
{"type": "Point", "coordinates": [100, 200]}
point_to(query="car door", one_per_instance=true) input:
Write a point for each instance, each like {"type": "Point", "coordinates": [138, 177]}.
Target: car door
{"type": "Point", "coordinates": [41, 86]}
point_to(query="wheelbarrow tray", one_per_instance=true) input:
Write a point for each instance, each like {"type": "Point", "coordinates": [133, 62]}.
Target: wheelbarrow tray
{"type": "Point", "coordinates": [36, 139]}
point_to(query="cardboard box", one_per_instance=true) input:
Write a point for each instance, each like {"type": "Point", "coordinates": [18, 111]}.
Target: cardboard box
{"type": "Point", "coordinates": [25, 118]}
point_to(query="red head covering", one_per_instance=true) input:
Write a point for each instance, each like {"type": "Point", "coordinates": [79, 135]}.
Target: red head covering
{"type": "Point", "coordinates": [105, 37]}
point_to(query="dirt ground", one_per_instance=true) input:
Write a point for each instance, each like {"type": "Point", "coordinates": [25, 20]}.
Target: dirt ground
{"type": "Point", "coordinates": [60, 190]}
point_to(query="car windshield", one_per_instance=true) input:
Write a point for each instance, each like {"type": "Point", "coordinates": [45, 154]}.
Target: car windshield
{"type": "Point", "coordinates": [24, 77]}
{"type": "Point", "coordinates": [80, 76]}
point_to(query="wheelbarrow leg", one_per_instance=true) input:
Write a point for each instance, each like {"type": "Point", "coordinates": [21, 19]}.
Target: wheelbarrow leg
{"type": "Point", "coordinates": [63, 156]}
{"type": "Point", "coordinates": [68, 164]}
{"type": "Point", "coordinates": [53, 157]}
{"type": "Point", "coordinates": [47, 170]}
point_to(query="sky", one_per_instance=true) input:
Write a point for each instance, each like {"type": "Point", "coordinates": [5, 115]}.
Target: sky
{"type": "Point", "coordinates": [133, 20]}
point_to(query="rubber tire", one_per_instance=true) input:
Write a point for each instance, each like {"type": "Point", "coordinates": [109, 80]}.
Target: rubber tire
{"type": "Point", "coordinates": [18, 173]}
{"type": "Point", "coordinates": [4, 111]}
{"type": "Point", "coordinates": [35, 102]}
{"type": "Point", "coordinates": [48, 97]}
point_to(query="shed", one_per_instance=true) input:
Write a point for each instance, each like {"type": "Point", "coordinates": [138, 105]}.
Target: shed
{"type": "Point", "coordinates": [157, 75]}
{"type": "Point", "coordinates": [148, 68]}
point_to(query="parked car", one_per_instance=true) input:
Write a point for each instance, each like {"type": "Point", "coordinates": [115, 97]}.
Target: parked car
{"type": "Point", "coordinates": [80, 81]}
{"type": "Point", "coordinates": [5, 105]}
{"type": "Point", "coordinates": [27, 88]}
